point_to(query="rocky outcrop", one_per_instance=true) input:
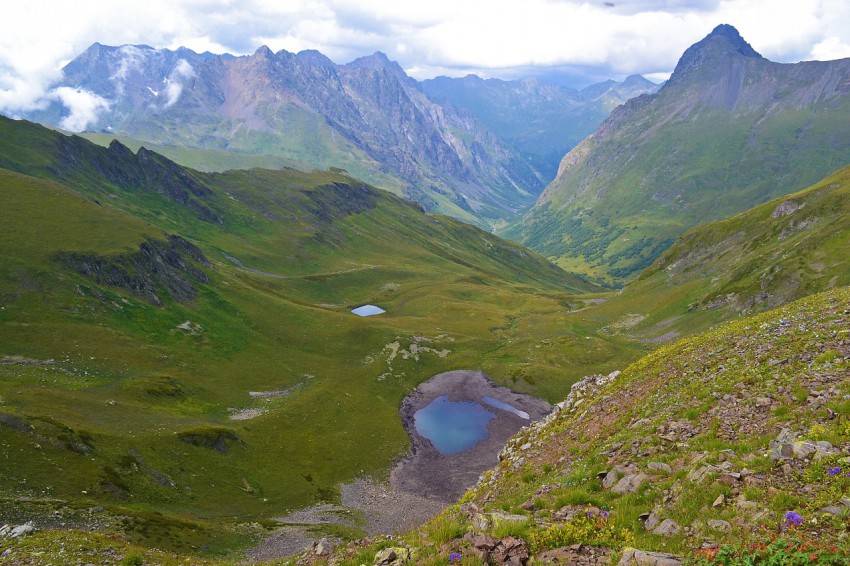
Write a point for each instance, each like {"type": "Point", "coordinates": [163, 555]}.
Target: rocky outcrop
{"type": "Point", "coordinates": [173, 266]}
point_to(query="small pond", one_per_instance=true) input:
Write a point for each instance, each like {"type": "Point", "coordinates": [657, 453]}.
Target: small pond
{"type": "Point", "coordinates": [368, 310]}
{"type": "Point", "coordinates": [452, 427]}
{"type": "Point", "coordinates": [505, 407]}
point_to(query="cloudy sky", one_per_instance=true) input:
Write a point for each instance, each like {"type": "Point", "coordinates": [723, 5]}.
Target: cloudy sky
{"type": "Point", "coordinates": [581, 42]}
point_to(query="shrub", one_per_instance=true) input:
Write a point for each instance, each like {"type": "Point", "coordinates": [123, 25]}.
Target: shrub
{"type": "Point", "coordinates": [591, 528]}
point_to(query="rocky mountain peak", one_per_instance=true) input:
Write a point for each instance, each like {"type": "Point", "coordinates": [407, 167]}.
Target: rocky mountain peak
{"type": "Point", "coordinates": [263, 52]}
{"type": "Point", "coordinates": [637, 81]}
{"type": "Point", "coordinates": [377, 61]}
{"type": "Point", "coordinates": [721, 45]}
{"type": "Point", "coordinates": [725, 32]}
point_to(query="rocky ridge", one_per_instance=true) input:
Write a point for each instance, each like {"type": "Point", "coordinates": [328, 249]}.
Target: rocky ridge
{"type": "Point", "coordinates": [728, 131]}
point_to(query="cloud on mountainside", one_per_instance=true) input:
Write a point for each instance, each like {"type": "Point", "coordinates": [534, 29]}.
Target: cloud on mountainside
{"type": "Point", "coordinates": [84, 107]}
{"type": "Point", "coordinates": [589, 40]}
{"type": "Point", "coordinates": [174, 83]}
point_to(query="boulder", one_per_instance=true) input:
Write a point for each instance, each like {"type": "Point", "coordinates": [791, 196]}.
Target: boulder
{"type": "Point", "coordinates": [786, 446]}
{"type": "Point", "coordinates": [630, 483]}
{"type": "Point", "coordinates": [719, 525]}
{"type": "Point", "coordinates": [396, 555]}
{"type": "Point", "coordinates": [660, 467]}
{"type": "Point", "coordinates": [650, 520]}
{"type": "Point", "coordinates": [511, 551]}
{"type": "Point", "coordinates": [21, 530]}
{"type": "Point", "coordinates": [635, 557]}
{"type": "Point", "coordinates": [667, 528]}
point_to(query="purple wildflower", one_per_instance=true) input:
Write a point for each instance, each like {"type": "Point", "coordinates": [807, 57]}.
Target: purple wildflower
{"type": "Point", "coordinates": [792, 518]}
{"type": "Point", "coordinates": [454, 557]}
{"type": "Point", "coordinates": [834, 471]}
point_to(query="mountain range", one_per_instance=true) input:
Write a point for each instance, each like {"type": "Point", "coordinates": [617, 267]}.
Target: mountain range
{"type": "Point", "coordinates": [183, 375]}
{"type": "Point", "coordinates": [729, 130]}
{"type": "Point", "coordinates": [367, 117]}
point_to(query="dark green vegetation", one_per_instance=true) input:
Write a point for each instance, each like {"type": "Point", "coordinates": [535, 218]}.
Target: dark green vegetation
{"type": "Point", "coordinates": [142, 304]}
{"type": "Point", "coordinates": [728, 131]}
{"type": "Point", "coordinates": [770, 255]}
{"type": "Point", "coordinates": [713, 437]}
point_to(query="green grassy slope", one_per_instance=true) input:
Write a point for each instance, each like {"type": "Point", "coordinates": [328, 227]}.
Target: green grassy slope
{"type": "Point", "coordinates": [126, 350]}
{"type": "Point", "coordinates": [726, 133]}
{"type": "Point", "coordinates": [691, 426]}
{"type": "Point", "coordinates": [777, 252]}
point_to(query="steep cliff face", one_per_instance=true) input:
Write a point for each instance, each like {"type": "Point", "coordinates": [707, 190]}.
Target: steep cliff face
{"type": "Point", "coordinates": [728, 131]}
{"type": "Point", "coordinates": [367, 116]}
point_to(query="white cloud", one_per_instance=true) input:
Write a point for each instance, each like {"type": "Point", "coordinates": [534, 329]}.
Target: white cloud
{"type": "Point", "coordinates": [132, 59]}
{"type": "Point", "coordinates": [174, 83]}
{"type": "Point", "coordinates": [504, 37]}
{"type": "Point", "coordinates": [829, 49]}
{"type": "Point", "coordinates": [84, 107]}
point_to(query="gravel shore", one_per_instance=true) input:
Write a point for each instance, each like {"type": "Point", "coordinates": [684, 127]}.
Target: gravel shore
{"type": "Point", "coordinates": [424, 482]}
{"type": "Point", "coordinates": [427, 473]}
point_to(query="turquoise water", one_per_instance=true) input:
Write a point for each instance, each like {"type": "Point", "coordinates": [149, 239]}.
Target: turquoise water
{"type": "Point", "coordinates": [452, 427]}
{"type": "Point", "coordinates": [505, 407]}
{"type": "Point", "coordinates": [368, 310]}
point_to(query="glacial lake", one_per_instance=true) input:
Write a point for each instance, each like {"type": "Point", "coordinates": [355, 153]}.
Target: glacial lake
{"type": "Point", "coordinates": [368, 310]}
{"type": "Point", "coordinates": [452, 427]}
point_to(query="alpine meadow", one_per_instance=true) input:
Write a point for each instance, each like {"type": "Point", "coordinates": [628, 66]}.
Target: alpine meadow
{"type": "Point", "coordinates": [273, 309]}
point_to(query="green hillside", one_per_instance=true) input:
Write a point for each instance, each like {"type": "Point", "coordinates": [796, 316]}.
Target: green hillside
{"type": "Point", "coordinates": [730, 130]}
{"type": "Point", "coordinates": [726, 448]}
{"type": "Point", "coordinates": [141, 303]}
{"type": "Point", "coordinates": [770, 255]}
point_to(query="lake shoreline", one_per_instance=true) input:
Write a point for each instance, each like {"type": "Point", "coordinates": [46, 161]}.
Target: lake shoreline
{"type": "Point", "coordinates": [426, 472]}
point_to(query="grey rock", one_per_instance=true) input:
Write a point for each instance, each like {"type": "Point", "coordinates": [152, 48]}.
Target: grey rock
{"type": "Point", "coordinates": [630, 483]}
{"type": "Point", "coordinates": [498, 517]}
{"type": "Point", "coordinates": [512, 551]}
{"type": "Point", "coordinates": [650, 521]}
{"type": "Point", "coordinates": [667, 528]}
{"type": "Point", "coordinates": [699, 474]}
{"type": "Point", "coordinates": [609, 479]}
{"type": "Point", "coordinates": [719, 502]}
{"type": "Point", "coordinates": [834, 510]}
{"type": "Point", "coordinates": [481, 522]}
{"type": "Point", "coordinates": [322, 548]}
{"type": "Point", "coordinates": [660, 467]}
{"type": "Point", "coordinates": [635, 557]}
{"type": "Point", "coordinates": [21, 530]}
{"type": "Point", "coordinates": [719, 525]}
{"type": "Point", "coordinates": [393, 555]}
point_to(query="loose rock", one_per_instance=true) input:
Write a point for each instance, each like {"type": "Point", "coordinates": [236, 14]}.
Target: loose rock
{"type": "Point", "coordinates": [635, 557]}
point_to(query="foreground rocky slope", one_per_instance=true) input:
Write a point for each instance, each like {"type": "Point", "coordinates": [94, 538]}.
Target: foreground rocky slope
{"type": "Point", "coordinates": [729, 446]}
